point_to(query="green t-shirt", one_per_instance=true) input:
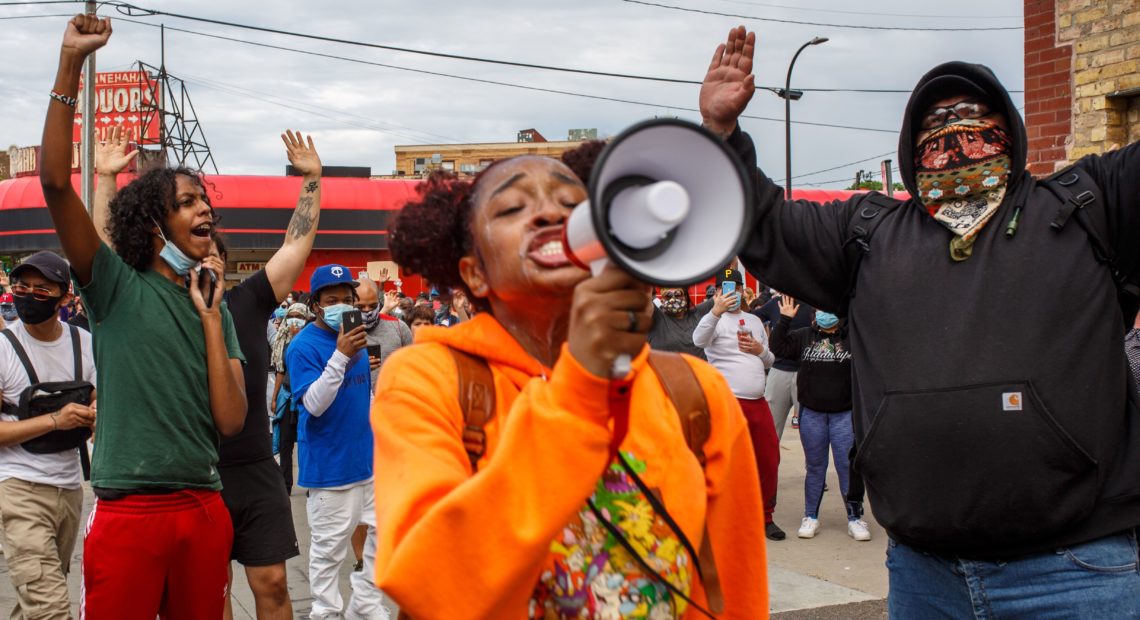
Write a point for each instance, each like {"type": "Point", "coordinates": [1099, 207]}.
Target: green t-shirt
{"type": "Point", "coordinates": [154, 427]}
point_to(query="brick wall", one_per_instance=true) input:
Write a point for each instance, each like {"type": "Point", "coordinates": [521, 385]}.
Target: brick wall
{"type": "Point", "coordinates": [1048, 89]}
{"type": "Point", "coordinates": [1106, 57]}
{"type": "Point", "coordinates": [1082, 60]}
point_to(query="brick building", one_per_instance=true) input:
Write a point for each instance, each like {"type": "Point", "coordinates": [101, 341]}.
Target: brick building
{"type": "Point", "coordinates": [467, 159]}
{"type": "Point", "coordinates": [1082, 78]}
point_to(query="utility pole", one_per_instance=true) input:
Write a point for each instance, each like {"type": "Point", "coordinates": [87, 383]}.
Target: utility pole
{"type": "Point", "coordinates": [87, 132]}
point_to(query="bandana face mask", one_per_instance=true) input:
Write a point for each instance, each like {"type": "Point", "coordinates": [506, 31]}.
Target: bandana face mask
{"type": "Point", "coordinates": [673, 304]}
{"type": "Point", "coordinates": [961, 170]}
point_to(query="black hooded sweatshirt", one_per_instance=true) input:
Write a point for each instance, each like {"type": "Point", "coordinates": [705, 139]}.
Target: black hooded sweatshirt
{"type": "Point", "coordinates": [990, 395]}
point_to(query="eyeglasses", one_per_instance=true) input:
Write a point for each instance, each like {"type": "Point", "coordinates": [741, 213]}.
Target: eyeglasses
{"type": "Point", "coordinates": [961, 110]}
{"type": "Point", "coordinates": [38, 293]}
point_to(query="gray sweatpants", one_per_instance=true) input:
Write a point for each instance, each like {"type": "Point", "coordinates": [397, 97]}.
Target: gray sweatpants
{"type": "Point", "coordinates": [780, 392]}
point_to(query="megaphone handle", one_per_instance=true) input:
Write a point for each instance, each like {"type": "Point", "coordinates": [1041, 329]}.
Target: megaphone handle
{"type": "Point", "coordinates": [623, 365]}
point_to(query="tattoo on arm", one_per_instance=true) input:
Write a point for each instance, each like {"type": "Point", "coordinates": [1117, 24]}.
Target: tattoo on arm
{"type": "Point", "coordinates": [301, 223]}
{"type": "Point", "coordinates": [312, 187]}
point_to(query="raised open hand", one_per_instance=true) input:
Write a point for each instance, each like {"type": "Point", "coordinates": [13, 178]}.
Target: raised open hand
{"type": "Point", "coordinates": [111, 156]}
{"type": "Point", "coordinates": [788, 306]}
{"type": "Point", "coordinates": [302, 154]}
{"type": "Point", "coordinates": [729, 83]}
{"type": "Point", "coordinates": [85, 34]}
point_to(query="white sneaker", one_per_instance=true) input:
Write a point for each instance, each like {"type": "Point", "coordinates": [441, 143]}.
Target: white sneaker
{"type": "Point", "coordinates": [858, 530]}
{"type": "Point", "coordinates": [808, 528]}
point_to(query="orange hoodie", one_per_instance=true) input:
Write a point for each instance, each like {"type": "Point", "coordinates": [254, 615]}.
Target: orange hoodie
{"type": "Point", "coordinates": [518, 539]}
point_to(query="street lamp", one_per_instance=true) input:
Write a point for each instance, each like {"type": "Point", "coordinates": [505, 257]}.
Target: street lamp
{"type": "Point", "coordinates": [790, 95]}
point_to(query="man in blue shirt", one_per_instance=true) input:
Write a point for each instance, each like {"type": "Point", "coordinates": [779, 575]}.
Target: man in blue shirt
{"type": "Point", "coordinates": [329, 373]}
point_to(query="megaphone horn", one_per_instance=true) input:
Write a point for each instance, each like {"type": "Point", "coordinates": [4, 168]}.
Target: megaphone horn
{"type": "Point", "coordinates": [668, 202]}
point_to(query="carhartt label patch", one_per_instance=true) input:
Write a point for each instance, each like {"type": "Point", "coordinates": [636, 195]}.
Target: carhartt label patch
{"type": "Point", "coordinates": [1011, 401]}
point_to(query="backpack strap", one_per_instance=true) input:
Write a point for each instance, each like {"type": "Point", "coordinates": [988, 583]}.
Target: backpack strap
{"type": "Point", "coordinates": [688, 398]}
{"type": "Point", "coordinates": [33, 378]}
{"type": "Point", "coordinates": [1082, 201]}
{"type": "Point", "coordinates": [477, 400]}
{"type": "Point", "coordinates": [860, 228]}
{"type": "Point", "coordinates": [76, 352]}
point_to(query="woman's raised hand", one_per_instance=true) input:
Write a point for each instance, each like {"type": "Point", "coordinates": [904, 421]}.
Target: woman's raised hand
{"type": "Point", "coordinates": [85, 34]}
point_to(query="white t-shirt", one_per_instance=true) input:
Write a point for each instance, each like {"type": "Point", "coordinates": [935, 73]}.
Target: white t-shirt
{"type": "Point", "coordinates": [53, 361]}
{"type": "Point", "coordinates": [743, 371]}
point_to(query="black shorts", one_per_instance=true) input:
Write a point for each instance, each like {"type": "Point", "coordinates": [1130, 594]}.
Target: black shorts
{"type": "Point", "coordinates": [261, 513]}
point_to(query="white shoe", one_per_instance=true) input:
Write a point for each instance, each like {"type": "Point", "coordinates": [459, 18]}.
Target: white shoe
{"type": "Point", "coordinates": [808, 528]}
{"type": "Point", "coordinates": [858, 530]}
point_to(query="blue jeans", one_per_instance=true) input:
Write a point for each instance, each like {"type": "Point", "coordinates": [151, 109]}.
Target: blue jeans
{"type": "Point", "coordinates": [1098, 579]}
{"type": "Point", "coordinates": [818, 431]}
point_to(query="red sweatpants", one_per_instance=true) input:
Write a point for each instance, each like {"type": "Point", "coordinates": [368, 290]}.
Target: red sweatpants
{"type": "Point", "coordinates": [157, 555]}
{"type": "Point", "coordinates": [766, 449]}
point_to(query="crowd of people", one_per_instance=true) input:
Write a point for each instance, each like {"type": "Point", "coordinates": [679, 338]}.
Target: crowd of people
{"type": "Point", "coordinates": [475, 450]}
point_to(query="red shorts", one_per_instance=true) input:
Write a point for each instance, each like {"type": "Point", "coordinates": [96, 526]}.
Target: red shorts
{"type": "Point", "coordinates": [157, 555]}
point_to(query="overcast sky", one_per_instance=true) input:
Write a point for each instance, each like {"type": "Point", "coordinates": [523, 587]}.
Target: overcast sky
{"type": "Point", "coordinates": [357, 112]}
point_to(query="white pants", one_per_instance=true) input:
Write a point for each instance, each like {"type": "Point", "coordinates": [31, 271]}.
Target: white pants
{"type": "Point", "coordinates": [333, 516]}
{"type": "Point", "coordinates": [780, 392]}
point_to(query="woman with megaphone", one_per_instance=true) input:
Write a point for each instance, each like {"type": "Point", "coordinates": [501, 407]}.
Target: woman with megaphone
{"type": "Point", "coordinates": [515, 478]}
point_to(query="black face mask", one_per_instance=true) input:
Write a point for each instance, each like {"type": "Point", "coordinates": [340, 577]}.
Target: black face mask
{"type": "Point", "coordinates": [33, 311]}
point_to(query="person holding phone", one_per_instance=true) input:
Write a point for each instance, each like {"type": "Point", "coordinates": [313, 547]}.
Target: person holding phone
{"type": "Point", "coordinates": [158, 539]}
{"type": "Point", "coordinates": [736, 344]}
{"type": "Point", "coordinates": [332, 386]}
{"type": "Point", "coordinates": [386, 333]}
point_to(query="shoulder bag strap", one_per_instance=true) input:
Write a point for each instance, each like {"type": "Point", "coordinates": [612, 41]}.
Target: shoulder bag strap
{"type": "Point", "coordinates": [33, 378]}
{"type": "Point", "coordinates": [76, 352]}
{"type": "Point", "coordinates": [688, 398]}
{"type": "Point", "coordinates": [477, 400]}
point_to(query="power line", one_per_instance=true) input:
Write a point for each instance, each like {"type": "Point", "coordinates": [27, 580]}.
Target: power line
{"type": "Point", "coordinates": [803, 23]}
{"type": "Point", "coordinates": [301, 106]}
{"type": "Point", "coordinates": [494, 82]}
{"type": "Point", "coordinates": [869, 13]}
{"type": "Point", "coordinates": [808, 174]}
{"type": "Point", "coordinates": [127, 9]}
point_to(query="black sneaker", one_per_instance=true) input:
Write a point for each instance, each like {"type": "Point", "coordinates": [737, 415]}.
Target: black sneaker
{"type": "Point", "coordinates": [773, 532]}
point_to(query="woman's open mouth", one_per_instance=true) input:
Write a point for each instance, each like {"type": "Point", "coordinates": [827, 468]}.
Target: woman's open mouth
{"type": "Point", "coordinates": [546, 249]}
{"type": "Point", "coordinates": [202, 230]}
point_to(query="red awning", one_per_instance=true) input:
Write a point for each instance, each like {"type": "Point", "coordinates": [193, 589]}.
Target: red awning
{"type": "Point", "coordinates": [263, 192]}
{"type": "Point", "coordinates": [249, 192]}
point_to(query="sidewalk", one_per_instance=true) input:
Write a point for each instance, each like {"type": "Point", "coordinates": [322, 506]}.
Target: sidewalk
{"type": "Point", "coordinates": [829, 576]}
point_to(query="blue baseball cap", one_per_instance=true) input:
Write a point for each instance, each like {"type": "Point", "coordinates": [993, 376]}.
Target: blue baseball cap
{"type": "Point", "coordinates": [330, 275]}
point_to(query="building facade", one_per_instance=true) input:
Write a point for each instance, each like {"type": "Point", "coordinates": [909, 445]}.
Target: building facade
{"type": "Point", "coordinates": [1082, 79]}
{"type": "Point", "coordinates": [420, 160]}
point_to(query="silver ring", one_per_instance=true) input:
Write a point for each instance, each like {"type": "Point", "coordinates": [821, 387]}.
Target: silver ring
{"type": "Point", "coordinates": [632, 322]}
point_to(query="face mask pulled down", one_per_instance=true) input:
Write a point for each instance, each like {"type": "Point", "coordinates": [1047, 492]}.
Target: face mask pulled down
{"type": "Point", "coordinates": [176, 258]}
{"type": "Point", "coordinates": [962, 170]}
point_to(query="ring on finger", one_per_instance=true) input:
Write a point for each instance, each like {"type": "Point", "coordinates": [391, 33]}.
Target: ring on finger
{"type": "Point", "coordinates": [632, 322]}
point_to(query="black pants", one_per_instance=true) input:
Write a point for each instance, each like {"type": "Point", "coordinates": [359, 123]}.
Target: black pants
{"type": "Point", "coordinates": [286, 441]}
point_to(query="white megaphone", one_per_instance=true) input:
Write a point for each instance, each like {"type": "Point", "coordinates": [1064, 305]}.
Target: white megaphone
{"type": "Point", "coordinates": [668, 202]}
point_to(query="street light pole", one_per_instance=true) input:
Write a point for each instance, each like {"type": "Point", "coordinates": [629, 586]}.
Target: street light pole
{"type": "Point", "coordinates": [87, 133]}
{"type": "Point", "coordinates": [788, 96]}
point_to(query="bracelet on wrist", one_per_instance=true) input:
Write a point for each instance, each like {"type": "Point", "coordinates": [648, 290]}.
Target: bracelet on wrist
{"type": "Point", "coordinates": [64, 99]}
{"type": "Point", "coordinates": [55, 421]}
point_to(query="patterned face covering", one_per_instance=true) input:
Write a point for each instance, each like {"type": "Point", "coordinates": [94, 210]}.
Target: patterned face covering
{"type": "Point", "coordinates": [961, 170]}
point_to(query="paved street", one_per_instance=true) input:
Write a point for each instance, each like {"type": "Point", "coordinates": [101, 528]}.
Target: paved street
{"type": "Point", "coordinates": [829, 576]}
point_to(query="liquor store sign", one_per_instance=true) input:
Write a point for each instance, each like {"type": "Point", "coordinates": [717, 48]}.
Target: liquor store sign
{"type": "Point", "coordinates": [122, 98]}
{"type": "Point", "coordinates": [126, 98]}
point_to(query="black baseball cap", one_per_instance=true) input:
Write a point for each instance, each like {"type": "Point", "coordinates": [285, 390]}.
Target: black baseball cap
{"type": "Point", "coordinates": [50, 265]}
{"type": "Point", "coordinates": [729, 274]}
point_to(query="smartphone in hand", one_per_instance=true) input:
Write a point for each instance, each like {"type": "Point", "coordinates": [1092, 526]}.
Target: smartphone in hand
{"type": "Point", "coordinates": [352, 320]}
{"type": "Point", "coordinates": [374, 351]}
{"type": "Point", "coordinates": [207, 280]}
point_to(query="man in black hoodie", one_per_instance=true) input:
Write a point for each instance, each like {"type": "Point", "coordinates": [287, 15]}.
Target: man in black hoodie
{"type": "Point", "coordinates": [991, 407]}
